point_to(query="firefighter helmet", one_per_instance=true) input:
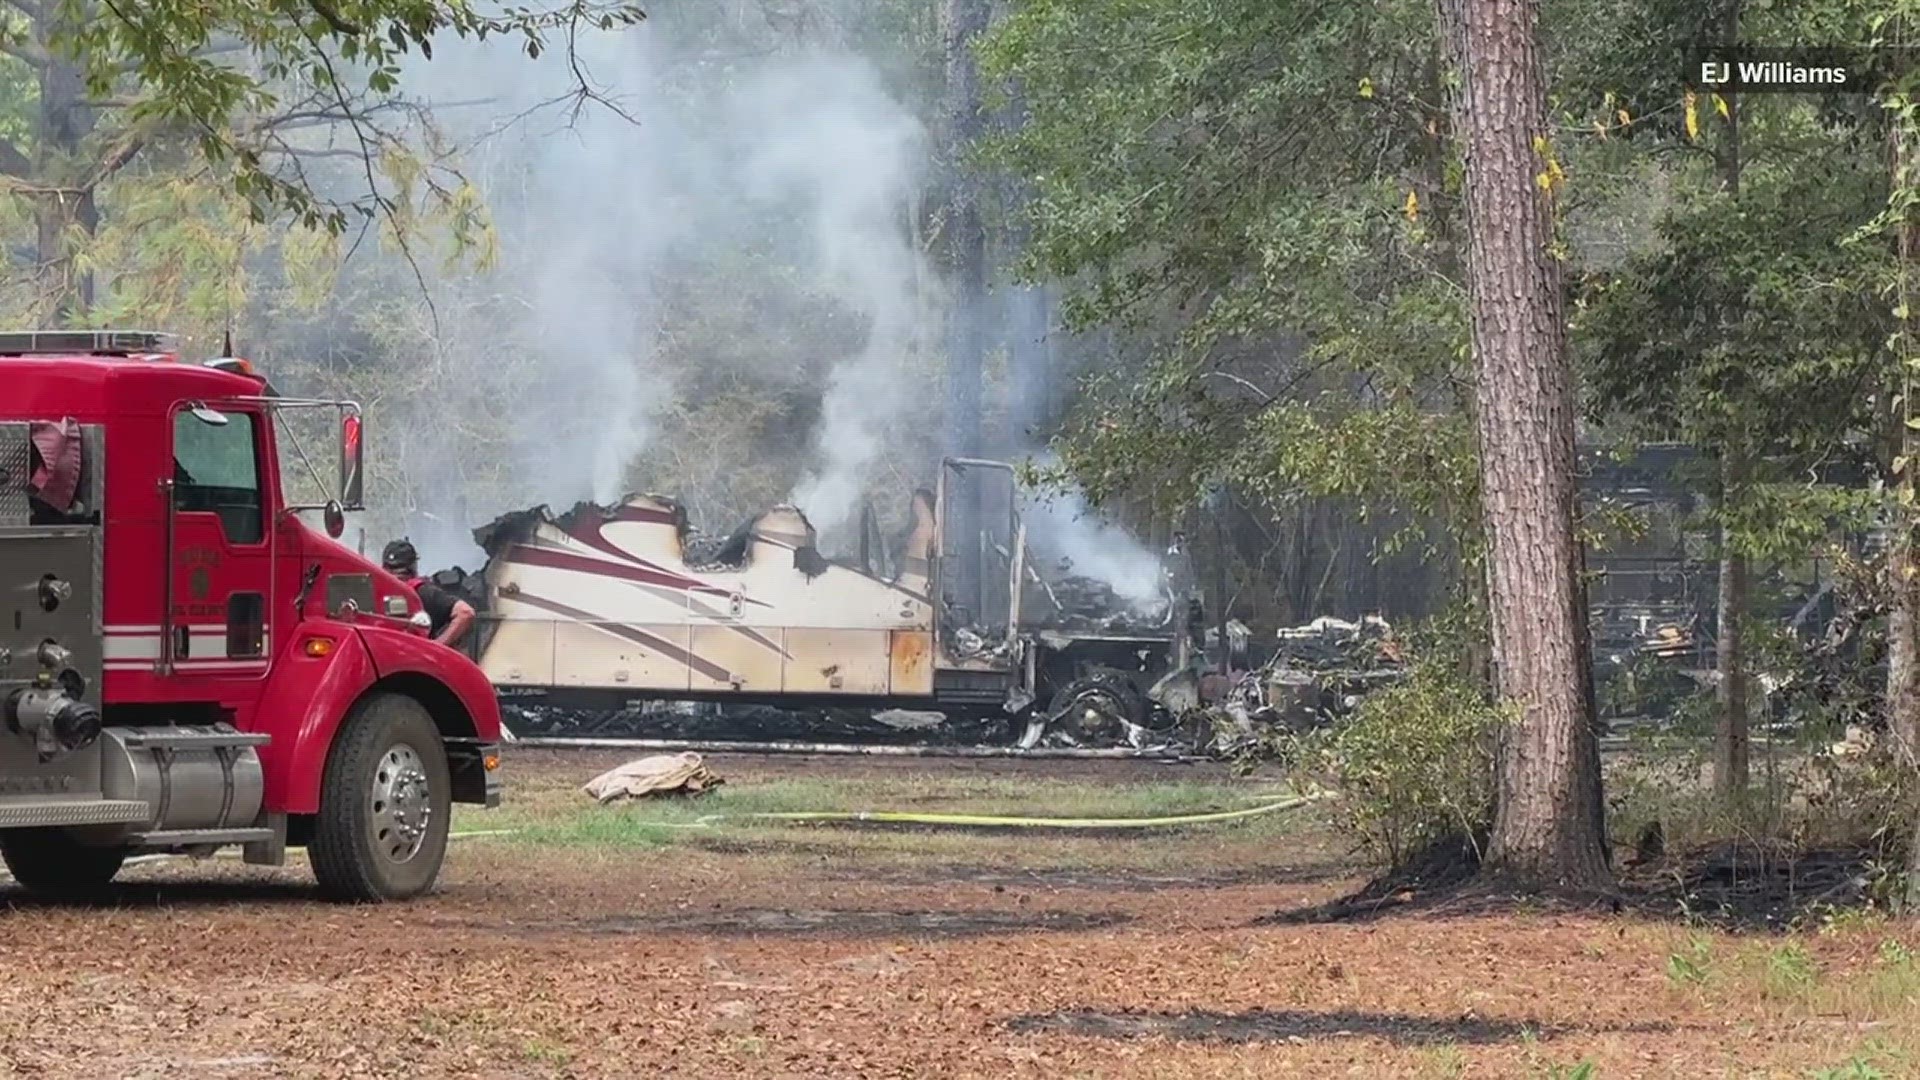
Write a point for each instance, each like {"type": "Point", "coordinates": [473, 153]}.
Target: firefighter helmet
{"type": "Point", "coordinates": [399, 555]}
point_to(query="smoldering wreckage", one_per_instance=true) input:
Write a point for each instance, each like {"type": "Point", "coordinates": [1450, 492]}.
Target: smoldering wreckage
{"type": "Point", "coordinates": [960, 631]}
{"type": "Point", "coordinates": [625, 620]}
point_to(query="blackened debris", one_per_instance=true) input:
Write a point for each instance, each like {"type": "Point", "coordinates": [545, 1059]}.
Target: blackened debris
{"type": "Point", "coordinates": [1084, 603]}
{"type": "Point", "coordinates": [808, 560]}
{"type": "Point", "coordinates": [756, 723]}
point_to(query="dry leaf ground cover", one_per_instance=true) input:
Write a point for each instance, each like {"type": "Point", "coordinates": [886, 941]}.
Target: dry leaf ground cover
{"type": "Point", "coordinates": [639, 942]}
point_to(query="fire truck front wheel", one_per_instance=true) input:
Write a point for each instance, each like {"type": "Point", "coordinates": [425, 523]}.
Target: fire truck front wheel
{"type": "Point", "coordinates": [381, 833]}
{"type": "Point", "coordinates": [52, 862]}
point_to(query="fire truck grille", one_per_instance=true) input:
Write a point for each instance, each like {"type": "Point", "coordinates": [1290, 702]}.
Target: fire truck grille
{"type": "Point", "coordinates": [14, 449]}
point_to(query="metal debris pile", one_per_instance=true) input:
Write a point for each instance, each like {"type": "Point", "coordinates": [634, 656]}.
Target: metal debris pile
{"type": "Point", "coordinates": [1085, 601]}
{"type": "Point", "coordinates": [1318, 673]}
{"type": "Point", "coordinates": [1334, 645]}
{"type": "Point", "coordinates": [1074, 601]}
{"type": "Point", "coordinates": [705, 551]}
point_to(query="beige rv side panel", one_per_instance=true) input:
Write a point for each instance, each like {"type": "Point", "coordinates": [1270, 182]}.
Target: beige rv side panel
{"type": "Point", "coordinates": [837, 661]}
{"type": "Point", "coordinates": [911, 671]}
{"type": "Point", "coordinates": [520, 652]}
{"type": "Point", "coordinates": [748, 658]}
{"type": "Point", "coordinates": [653, 657]}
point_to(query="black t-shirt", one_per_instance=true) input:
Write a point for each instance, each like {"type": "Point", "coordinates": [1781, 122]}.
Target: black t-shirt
{"type": "Point", "coordinates": [438, 602]}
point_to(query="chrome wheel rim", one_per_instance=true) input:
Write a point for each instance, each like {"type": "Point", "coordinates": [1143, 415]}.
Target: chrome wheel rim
{"type": "Point", "coordinates": [400, 804]}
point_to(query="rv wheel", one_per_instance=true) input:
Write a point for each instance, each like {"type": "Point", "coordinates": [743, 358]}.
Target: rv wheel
{"type": "Point", "coordinates": [1103, 707]}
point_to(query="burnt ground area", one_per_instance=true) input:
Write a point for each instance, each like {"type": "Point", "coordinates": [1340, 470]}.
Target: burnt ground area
{"type": "Point", "coordinates": [1742, 885]}
{"type": "Point", "coordinates": [585, 951]}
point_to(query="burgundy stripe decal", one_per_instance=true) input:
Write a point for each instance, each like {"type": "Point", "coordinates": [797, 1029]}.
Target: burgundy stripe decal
{"type": "Point", "coordinates": [639, 637]}
{"type": "Point", "coordinates": [626, 570]}
{"type": "Point", "coordinates": [746, 631]}
{"type": "Point", "coordinates": [586, 529]}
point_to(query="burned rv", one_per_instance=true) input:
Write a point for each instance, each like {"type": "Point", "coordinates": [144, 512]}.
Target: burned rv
{"type": "Point", "coordinates": [606, 607]}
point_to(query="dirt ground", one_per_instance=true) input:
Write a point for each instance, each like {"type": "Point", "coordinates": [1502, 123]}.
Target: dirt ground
{"type": "Point", "coordinates": [825, 951]}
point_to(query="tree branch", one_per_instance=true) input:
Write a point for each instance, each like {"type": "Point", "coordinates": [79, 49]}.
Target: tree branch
{"type": "Point", "coordinates": [384, 204]}
{"type": "Point", "coordinates": [281, 147]}
{"type": "Point", "coordinates": [333, 19]}
{"type": "Point", "coordinates": [12, 162]}
{"type": "Point", "coordinates": [128, 147]}
{"type": "Point", "coordinates": [25, 51]}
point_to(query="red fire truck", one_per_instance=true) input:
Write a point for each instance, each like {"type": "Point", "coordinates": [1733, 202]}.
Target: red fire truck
{"type": "Point", "coordinates": [184, 662]}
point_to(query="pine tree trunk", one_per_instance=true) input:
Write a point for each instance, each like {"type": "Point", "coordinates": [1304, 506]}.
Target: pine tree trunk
{"type": "Point", "coordinates": [64, 209]}
{"type": "Point", "coordinates": [1547, 830]}
{"type": "Point", "coordinates": [966, 21]}
{"type": "Point", "coordinates": [1730, 744]}
{"type": "Point", "coordinates": [1903, 655]}
{"type": "Point", "coordinates": [1589, 696]}
{"type": "Point", "coordinates": [1903, 556]}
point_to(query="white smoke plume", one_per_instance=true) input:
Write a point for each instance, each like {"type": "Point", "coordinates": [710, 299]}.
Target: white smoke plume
{"type": "Point", "coordinates": [1060, 524]}
{"type": "Point", "coordinates": [792, 159]}
{"type": "Point", "coordinates": [851, 168]}
{"type": "Point", "coordinates": [799, 149]}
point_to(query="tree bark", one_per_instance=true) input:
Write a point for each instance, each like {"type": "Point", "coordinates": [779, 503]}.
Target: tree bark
{"type": "Point", "coordinates": [64, 202]}
{"type": "Point", "coordinates": [1547, 830]}
{"type": "Point", "coordinates": [1730, 744]}
{"type": "Point", "coordinates": [1903, 555]}
{"type": "Point", "coordinates": [1903, 653]}
{"type": "Point", "coordinates": [1731, 735]}
{"type": "Point", "coordinates": [966, 21]}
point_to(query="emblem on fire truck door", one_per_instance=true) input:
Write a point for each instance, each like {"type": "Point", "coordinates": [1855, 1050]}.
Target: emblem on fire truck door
{"type": "Point", "coordinates": [199, 563]}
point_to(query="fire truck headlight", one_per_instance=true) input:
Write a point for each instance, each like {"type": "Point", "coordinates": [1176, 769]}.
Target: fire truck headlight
{"type": "Point", "coordinates": [397, 606]}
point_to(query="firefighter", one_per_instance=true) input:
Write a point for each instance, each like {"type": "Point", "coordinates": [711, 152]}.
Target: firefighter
{"type": "Point", "coordinates": [450, 616]}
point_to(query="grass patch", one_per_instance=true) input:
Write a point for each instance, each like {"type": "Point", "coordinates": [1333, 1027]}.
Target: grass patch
{"type": "Point", "coordinates": [1888, 987]}
{"type": "Point", "coordinates": [549, 812]}
{"type": "Point", "coordinates": [545, 809]}
{"type": "Point", "coordinates": [535, 1049]}
{"type": "Point", "coordinates": [1851, 994]}
{"type": "Point", "coordinates": [1690, 966]}
{"type": "Point", "coordinates": [1443, 1062]}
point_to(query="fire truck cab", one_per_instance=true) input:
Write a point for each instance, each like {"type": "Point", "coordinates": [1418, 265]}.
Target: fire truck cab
{"type": "Point", "coordinates": [187, 664]}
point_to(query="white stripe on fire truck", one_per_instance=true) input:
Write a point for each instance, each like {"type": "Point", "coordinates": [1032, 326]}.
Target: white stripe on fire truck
{"type": "Point", "coordinates": [147, 646]}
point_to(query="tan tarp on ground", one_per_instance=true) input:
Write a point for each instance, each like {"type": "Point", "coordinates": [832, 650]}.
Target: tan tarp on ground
{"type": "Point", "coordinates": [660, 774]}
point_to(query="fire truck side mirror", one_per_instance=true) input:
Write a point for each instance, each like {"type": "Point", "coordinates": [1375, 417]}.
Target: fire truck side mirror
{"type": "Point", "coordinates": [352, 479]}
{"type": "Point", "coordinates": [210, 417]}
{"type": "Point", "coordinates": [334, 517]}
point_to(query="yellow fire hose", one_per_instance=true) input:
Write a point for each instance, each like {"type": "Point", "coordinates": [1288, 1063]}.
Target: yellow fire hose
{"type": "Point", "coordinates": [893, 817]}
